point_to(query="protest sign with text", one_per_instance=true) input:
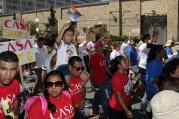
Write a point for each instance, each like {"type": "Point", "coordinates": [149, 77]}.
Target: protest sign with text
{"type": "Point", "coordinates": [13, 29]}
{"type": "Point", "coordinates": [23, 48]}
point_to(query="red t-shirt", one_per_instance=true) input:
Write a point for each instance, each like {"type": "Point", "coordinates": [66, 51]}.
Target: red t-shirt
{"type": "Point", "coordinates": [11, 93]}
{"type": "Point", "coordinates": [98, 64]}
{"type": "Point", "coordinates": [120, 83]}
{"type": "Point", "coordinates": [64, 108]}
{"type": "Point", "coordinates": [76, 90]}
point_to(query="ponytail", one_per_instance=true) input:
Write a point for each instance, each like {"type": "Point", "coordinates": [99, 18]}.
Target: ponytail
{"type": "Point", "coordinates": [51, 106]}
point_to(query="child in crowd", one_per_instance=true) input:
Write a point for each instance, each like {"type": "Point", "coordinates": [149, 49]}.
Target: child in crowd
{"type": "Point", "coordinates": [65, 50]}
{"type": "Point", "coordinates": [55, 103]}
{"type": "Point", "coordinates": [119, 104]}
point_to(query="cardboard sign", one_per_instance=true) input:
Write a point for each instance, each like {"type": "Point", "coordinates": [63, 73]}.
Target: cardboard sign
{"type": "Point", "coordinates": [13, 29]}
{"type": "Point", "coordinates": [23, 48]}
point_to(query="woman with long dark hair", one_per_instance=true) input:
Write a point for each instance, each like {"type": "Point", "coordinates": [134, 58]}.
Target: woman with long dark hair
{"type": "Point", "coordinates": [55, 103]}
{"type": "Point", "coordinates": [119, 104]}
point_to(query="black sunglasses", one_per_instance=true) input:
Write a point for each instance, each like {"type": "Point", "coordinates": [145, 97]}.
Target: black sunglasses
{"type": "Point", "coordinates": [57, 84]}
{"type": "Point", "coordinates": [78, 68]}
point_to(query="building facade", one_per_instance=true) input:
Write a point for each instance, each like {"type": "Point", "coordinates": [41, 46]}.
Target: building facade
{"type": "Point", "coordinates": [135, 17]}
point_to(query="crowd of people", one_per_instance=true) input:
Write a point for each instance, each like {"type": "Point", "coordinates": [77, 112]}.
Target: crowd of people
{"type": "Point", "coordinates": [116, 70]}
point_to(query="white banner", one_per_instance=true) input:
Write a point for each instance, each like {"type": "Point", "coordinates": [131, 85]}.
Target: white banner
{"type": "Point", "coordinates": [23, 48]}
{"type": "Point", "coordinates": [13, 29]}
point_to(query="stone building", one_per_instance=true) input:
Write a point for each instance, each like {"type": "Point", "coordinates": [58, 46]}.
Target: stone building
{"type": "Point", "coordinates": [135, 17]}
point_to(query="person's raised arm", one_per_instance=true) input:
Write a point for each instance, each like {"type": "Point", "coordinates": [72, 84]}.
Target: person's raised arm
{"type": "Point", "coordinates": [60, 35]}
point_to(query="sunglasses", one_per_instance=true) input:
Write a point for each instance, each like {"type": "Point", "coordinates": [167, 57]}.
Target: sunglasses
{"type": "Point", "coordinates": [78, 68]}
{"type": "Point", "coordinates": [57, 84]}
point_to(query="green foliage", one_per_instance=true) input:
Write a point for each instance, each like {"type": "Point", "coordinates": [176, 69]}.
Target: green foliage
{"type": "Point", "coordinates": [122, 38]}
{"type": "Point", "coordinates": [118, 38]}
{"type": "Point", "coordinates": [136, 39]}
{"type": "Point", "coordinates": [32, 28]}
{"type": "Point", "coordinates": [52, 21]}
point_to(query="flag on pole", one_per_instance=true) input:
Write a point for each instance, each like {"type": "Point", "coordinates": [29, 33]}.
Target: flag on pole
{"type": "Point", "coordinates": [73, 13]}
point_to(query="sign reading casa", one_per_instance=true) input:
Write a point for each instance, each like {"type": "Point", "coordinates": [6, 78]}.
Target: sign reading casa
{"type": "Point", "coordinates": [23, 48]}
{"type": "Point", "coordinates": [13, 29]}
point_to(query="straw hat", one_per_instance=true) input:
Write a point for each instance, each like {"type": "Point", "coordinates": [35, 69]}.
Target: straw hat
{"type": "Point", "coordinates": [168, 43]}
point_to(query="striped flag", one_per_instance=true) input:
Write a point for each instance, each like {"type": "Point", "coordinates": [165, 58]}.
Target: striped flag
{"type": "Point", "coordinates": [73, 13]}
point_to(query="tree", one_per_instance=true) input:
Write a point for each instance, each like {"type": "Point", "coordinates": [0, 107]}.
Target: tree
{"type": "Point", "coordinates": [33, 29]}
{"type": "Point", "coordinates": [52, 21]}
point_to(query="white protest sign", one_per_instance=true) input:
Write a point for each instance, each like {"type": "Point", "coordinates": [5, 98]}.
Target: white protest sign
{"type": "Point", "coordinates": [13, 29]}
{"type": "Point", "coordinates": [23, 48]}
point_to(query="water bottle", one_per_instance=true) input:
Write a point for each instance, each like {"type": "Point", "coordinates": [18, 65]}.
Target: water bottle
{"type": "Point", "coordinates": [7, 109]}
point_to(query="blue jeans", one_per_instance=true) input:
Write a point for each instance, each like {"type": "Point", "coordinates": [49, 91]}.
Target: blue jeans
{"type": "Point", "coordinates": [145, 100]}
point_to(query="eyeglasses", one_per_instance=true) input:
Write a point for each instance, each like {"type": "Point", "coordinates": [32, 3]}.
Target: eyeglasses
{"type": "Point", "coordinates": [57, 84]}
{"type": "Point", "coordinates": [78, 68]}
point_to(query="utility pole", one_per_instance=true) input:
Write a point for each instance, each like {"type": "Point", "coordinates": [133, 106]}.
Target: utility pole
{"type": "Point", "coordinates": [120, 17]}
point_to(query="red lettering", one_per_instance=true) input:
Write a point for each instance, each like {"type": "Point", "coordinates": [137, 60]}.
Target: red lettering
{"type": "Point", "coordinates": [26, 27]}
{"type": "Point", "coordinates": [28, 43]}
{"type": "Point", "coordinates": [21, 25]}
{"type": "Point", "coordinates": [11, 47]}
{"type": "Point", "coordinates": [19, 45]}
{"type": "Point", "coordinates": [6, 23]}
{"type": "Point", "coordinates": [15, 25]}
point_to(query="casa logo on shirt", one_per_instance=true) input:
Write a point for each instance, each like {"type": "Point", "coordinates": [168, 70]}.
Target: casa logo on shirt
{"type": "Point", "coordinates": [75, 88]}
{"type": "Point", "coordinates": [67, 112]}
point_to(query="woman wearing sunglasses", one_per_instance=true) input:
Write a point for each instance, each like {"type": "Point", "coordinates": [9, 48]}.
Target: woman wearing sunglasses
{"type": "Point", "coordinates": [58, 101]}
{"type": "Point", "coordinates": [77, 80]}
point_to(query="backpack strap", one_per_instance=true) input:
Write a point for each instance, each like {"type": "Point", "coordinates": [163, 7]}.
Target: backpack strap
{"type": "Point", "coordinates": [31, 100]}
{"type": "Point", "coordinates": [44, 104]}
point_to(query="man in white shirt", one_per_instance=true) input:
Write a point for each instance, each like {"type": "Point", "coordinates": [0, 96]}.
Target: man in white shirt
{"type": "Point", "coordinates": [142, 56]}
